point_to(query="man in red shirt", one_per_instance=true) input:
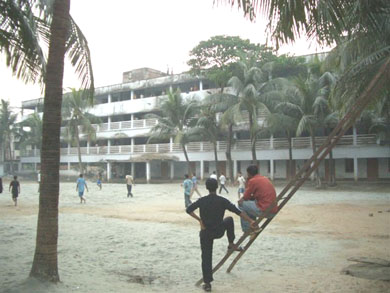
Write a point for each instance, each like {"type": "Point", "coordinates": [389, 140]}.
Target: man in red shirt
{"type": "Point", "coordinates": [258, 196]}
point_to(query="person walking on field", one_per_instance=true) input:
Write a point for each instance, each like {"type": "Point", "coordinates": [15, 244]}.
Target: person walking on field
{"type": "Point", "coordinates": [81, 185]}
{"type": "Point", "coordinates": [222, 181]}
{"type": "Point", "coordinates": [14, 187]}
{"type": "Point", "coordinates": [213, 225]}
{"type": "Point", "coordinates": [187, 184]}
{"type": "Point", "coordinates": [194, 186]}
{"type": "Point", "coordinates": [241, 184]}
{"type": "Point", "coordinates": [39, 181]}
{"type": "Point", "coordinates": [258, 196]}
{"type": "Point", "coordinates": [214, 175]}
{"type": "Point", "coordinates": [99, 181]}
{"type": "Point", "coordinates": [129, 184]}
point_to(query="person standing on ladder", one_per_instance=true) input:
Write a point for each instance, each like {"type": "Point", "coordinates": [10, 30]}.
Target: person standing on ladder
{"type": "Point", "coordinates": [258, 196]}
{"type": "Point", "coordinates": [213, 226]}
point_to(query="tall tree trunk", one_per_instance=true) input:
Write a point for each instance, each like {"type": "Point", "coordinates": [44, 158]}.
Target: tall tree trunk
{"type": "Point", "coordinates": [229, 153]}
{"type": "Point", "coordinates": [216, 157]}
{"type": "Point", "coordinates": [79, 150]}
{"type": "Point", "coordinates": [187, 159]}
{"type": "Point", "coordinates": [10, 154]}
{"type": "Point", "coordinates": [253, 140]}
{"type": "Point", "coordinates": [45, 265]}
{"type": "Point", "coordinates": [317, 173]}
{"type": "Point", "coordinates": [290, 157]}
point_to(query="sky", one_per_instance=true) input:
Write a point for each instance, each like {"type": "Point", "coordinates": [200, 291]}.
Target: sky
{"type": "Point", "coordinates": [129, 34]}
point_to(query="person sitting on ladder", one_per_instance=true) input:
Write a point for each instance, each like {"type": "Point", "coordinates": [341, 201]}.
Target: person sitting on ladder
{"type": "Point", "coordinates": [258, 196]}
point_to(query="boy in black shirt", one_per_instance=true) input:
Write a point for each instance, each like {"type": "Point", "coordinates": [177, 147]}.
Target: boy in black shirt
{"type": "Point", "coordinates": [15, 189]}
{"type": "Point", "coordinates": [213, 226]}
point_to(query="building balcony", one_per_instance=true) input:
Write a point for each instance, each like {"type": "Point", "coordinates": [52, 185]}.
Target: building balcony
{"type": "Point", "coordinates": [193, 147]}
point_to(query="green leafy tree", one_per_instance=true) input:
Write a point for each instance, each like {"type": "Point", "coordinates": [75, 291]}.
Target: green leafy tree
{"type": "Point", "coordinates": [31, 131]}
{"type": "Point", "coordinates": [217, 57]}
{"type": "Point", "coordinates": [175, 121]}
{"type": "Point", "coordinates": [208, 128]}
{"type": "Point", "coordinates": [7, 131]}
{"type": "Point", "coordinates": [245, 87]}
{"type": "Point", "coordinates": [78, 120]}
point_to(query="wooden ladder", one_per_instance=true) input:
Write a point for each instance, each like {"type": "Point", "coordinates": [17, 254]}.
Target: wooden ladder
{"type": "Point", "coordinates": [312, 164]}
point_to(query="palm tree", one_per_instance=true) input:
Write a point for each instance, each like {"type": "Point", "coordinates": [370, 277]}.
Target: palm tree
{"type": "Point", "coordinates": [75, 113]}
{"type": "Point", "coordinates": [223, 103]}
{"type": "Point", "coordinates": [360, 29]}
{"type": "Point", "coordinates": [32, 136]}
{"type": "Point", "coordinates": [309, 104]}
{"type": "Point", "coordinates": [272, 95]}
{"type": "Point", "coordinates": [7, 131]}
{"type": "Point", "coordinates": [176, 120]}
{"type": "Point", "coordinates": [245, 86]}
{"type": "Point", "coordinates": [208, 129]}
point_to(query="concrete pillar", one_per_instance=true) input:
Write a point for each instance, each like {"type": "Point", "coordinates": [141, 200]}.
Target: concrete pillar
{"type": "Point", "coordinates": [131, 95]}
{"type": "Point", "coordinates": [133, 169]}
{"type": "Point", "coordinates": [88, 145]}
{"type": "Point", "coordinates": [170, 144]}
{"type": "Point", "coordinates": [132, 145]}
{"type": "Point", "coordinates": [147, 172]}
{"type": "Point", "coordinates": [172, 170]}
{"type": "Point", "coordinates": [354, 135]}
{"type": "Point", "coordinates": [68, 148]}
{"type": "Point", "coordinates": [234, 169]}
{"type": "Point", "coordinates": [271, 142]}
{"type": "Point", "coordinates": [272, 169]}
{"type": "Point", "coordinates": [108, 146]}
{"type": "Point", "coordinates": [355, 169]}
{"type": "Point", "coordinates": [68, 166]}
{"type": "Point", "coordinates": [109, 122]}
{"type": "Point", "coordinates": [132, 120]}
{"type": "Point", "coordinates": [109, 98]}
{"type": "Point", "coordinates": [201, 170]}
{"type": "Point", "coordinates": [108, 171]}
{"type": "Point", "coordinates": [200, 85]}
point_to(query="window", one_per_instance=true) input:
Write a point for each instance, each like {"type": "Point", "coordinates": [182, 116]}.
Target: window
{"type": "Point", "coordinates": [349, 166]}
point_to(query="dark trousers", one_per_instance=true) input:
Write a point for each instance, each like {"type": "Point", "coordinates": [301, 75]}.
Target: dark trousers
{"type": "Point", "coordinates": [129, 190]}
{"type": "Point", "coordinates": [206, 244]}
{"type": "Point", "coordinates": [224, 187]}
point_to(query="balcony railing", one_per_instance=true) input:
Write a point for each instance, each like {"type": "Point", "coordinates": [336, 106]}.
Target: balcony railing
{"type": "Point", "coordinates": [240, 145]}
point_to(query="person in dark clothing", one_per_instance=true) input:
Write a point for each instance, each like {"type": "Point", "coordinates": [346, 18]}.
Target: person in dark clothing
{"type": "Point", "coordinates": [15, 186]}
{"type": "Point", "coordinates": [213, 226]}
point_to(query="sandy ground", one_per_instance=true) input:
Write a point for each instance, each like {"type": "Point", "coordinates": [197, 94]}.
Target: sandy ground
{"type": "Point", "coordinates": [149, 244]}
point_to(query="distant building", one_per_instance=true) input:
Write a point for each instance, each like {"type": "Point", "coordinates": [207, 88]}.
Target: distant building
{"type": "Point", "coordinates": [121, 146]}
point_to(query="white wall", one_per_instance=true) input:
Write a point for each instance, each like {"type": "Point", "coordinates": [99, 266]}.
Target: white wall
{"type": "Point", "coordinates": [383, 167]}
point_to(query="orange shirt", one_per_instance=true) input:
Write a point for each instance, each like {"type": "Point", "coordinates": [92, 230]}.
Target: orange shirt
{"type": "Point", "coordinates": [261, 189]}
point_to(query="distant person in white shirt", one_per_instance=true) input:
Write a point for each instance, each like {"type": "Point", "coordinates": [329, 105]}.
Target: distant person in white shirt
{"type": "Point", "coordinates": [222, 181]}
{"type": "Point", "coordinates": [241, 184]}
{"type": "Point", "coordinates": [214, 176]}
{"type": "Point", "coordinates": [39, 181]}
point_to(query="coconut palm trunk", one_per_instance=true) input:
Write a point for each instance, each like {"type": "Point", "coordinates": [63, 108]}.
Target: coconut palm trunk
{"type": "Point", "coordinates": [187, 159]}
{"type": "Point", "coordinates": [253, 140]}
{"type": "Point", "coordinates": [313, 144]}
{"type": "Point", "coordinates": [216, 157]}
{"type": "Point", "coordinates": [290, 157]}
{"type": "Point", "coordinates": [45, 265]}
{"type": "Point", "coordinates": [229, 153]}
{"type": "Point", "coordinates": [11, 165]}
{"type": "Point", "coordinates": [79, 149]}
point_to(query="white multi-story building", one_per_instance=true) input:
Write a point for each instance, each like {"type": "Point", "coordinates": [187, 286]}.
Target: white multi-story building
{"type": "Point", "coordinates": [121, 147]}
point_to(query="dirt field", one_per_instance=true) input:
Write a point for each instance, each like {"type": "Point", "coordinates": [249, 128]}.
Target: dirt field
{"type": "Point", "coordinates": [149, 244]}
